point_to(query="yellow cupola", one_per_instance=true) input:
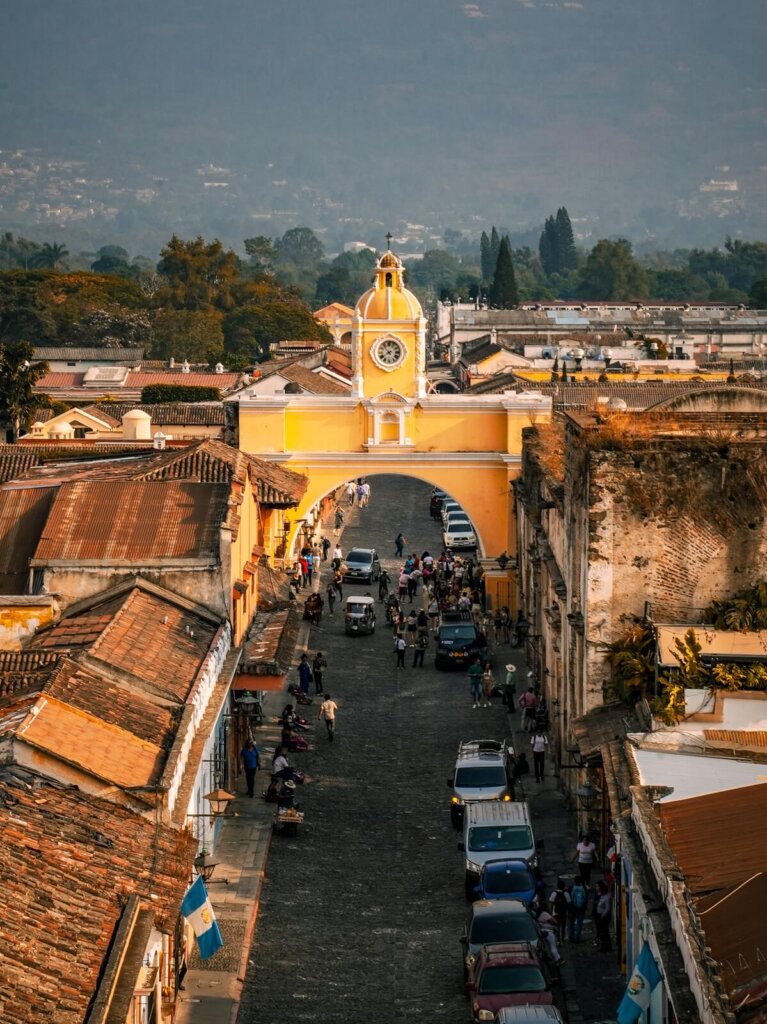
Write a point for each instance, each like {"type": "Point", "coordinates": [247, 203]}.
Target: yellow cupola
{"type": "Point", "coordinates": [389, 299]}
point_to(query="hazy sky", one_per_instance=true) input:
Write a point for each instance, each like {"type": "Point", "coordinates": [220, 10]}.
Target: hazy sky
{"type": "Point", "coordinates": [424, 104]}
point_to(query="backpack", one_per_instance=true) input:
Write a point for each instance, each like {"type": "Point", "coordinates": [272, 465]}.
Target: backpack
{"type": "Point", "coordinates": [560, 904]}
{"type": "Point", "coordinates": [578, 896]}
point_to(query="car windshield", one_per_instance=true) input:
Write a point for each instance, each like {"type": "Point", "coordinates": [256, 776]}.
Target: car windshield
{"type": "Point", "coordinates": [358, 609]}
{"type": "Point", "coordinates": [512, 978]}
{"type": "Point", "coordinates": [500, 837]}
{"type": "Point", "coordinates": [515, 880]}
{"type": "Point", "coordinates": [502, 928]}
{"type": "Point", "coordinates": [363, 557]}
{"type": "Point", "coordinates": [486, 775]}
{"type": "Point", "coordinates": [466, 632]}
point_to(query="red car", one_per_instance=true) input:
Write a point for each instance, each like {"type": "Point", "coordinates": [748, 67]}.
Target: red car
{"type": "Point", "coordinates": [509, 974]}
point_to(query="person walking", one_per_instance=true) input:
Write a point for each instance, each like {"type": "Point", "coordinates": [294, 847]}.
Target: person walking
{"type": "Point", "coordinates": [488, 685]}
{"type": "Point", "coordinates": [399, 545]}
{"type": "Point", "coordinates": [325, 545]}
{"type": "Point", "coordinates": [330, 592]}
{"type": "Point", "coordinates": [602, 914]}
{"type": "Point", "coordinates": [585, 854]}
{"type": "Point", "coordinates": [475, 683]}
{"type": "Point", "coordinates": [510, 689]}
{"type": "Point", "coordinates": [539, 742]}
{"type": "Point", "coordinates": [328, 710]}
{"type": "Point", "coordinates": [251, 762]}
{"type": "Point", "coordinates": [338, 583]}
{"type": "Point", "coordinates": [433, 612]}
{"type": "Point", "coordinates": [560, 908]}
{"type": "Point", "coordinates": [319, 664]}
{"type": "Point", "coordinates": [339, 518]}
{"type": "Point", "coordinates": [399, 649]}
{"type": "Point", "coordinates": [304, 674]}
{"type": "Point", "coordinates": [411, 627]}
{"type": "Point", "coordinates": [579, 897]}
{"type": "Point", "coordinates": [528, 702]}
{"type": "Point", "coordinates": [337, 558]}
{"type": "Point", "coordinates": [422, 642]}
{"type": "Point", "coordinates": [351, 490]}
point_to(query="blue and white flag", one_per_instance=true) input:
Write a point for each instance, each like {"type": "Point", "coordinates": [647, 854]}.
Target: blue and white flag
{"type": "Point", "coordinates": [197, 910]}
{"type": "Point", "coordinates": [639, 989]}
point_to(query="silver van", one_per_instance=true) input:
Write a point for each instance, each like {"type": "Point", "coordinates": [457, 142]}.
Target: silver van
{"type": "Point", "coordinates": [493, 830]}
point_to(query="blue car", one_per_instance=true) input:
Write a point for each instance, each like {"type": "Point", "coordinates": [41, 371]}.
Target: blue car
{"type": "Point", "coordinates": [506, 879]}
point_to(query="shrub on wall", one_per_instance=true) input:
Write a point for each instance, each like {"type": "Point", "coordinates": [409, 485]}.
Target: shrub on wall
{"type": "Point", "coordinates": [161, 394]}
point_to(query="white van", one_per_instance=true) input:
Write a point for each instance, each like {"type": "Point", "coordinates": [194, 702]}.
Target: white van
{"type": "Point", "coordinates": [493, 830]}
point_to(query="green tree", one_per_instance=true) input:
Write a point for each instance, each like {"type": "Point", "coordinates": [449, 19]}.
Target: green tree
{"type": "Point", "coordinates": [49, 256]}
{"type": "Point", "coordinates": [18, 377]}
{"type": "Point", "coordinates": [112, 259]}
{"type": "Point", "coordinates": [196, 335]}
{"type": "Point", "coordinates": [757, 297]}
{"type": "Point", "coordinates": [262, 253]}
{"type": "Point", "coordinates": [495, 245]}
{"type": "Point", "coordinates": [611, 273]}
{"type": "Point", "coordinates": [197, 275]}
{"type": "Point", "coordinates": [503, 291]}
{"type": "Point", "coordinates": [271, 315]}
{"type": "Point", "coordinates": [547, 247]}
{"type": "Point", "coordinates": [485, 259]}
{"type": "Point", "coordinates": [300, 260]}
{"type": "Point", "coordinates": [567, 255]}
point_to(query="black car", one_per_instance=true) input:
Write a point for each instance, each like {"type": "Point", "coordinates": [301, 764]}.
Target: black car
{"type": "Point", "coordinates": [362, 566]}
{"type": "Point", "coordinates": [459, 642]}
{"type": "Point", "coordinates": [497, 921]}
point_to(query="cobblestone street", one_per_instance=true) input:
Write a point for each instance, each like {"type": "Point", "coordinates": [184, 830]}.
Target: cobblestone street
{"type": "Point", "coordinates": [361, 914]}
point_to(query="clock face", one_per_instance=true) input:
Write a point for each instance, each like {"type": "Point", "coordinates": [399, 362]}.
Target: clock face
{"type": "Point", "coordinates": [388, 353]}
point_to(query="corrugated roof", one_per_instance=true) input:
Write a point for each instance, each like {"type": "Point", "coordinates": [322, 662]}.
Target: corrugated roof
{"type": "Point", "coordinates": [23, 512]}
{"type": "Point", "coordinates": [726, 645]}
{"type": "Point", "coordinates": [699, 830]}
{"type": "Point", "coordinates": [222, 381]}
{"type": "Point", "coordinates": [63, 858]}
{"type": "Point", "coordinates": [133, 520]}
{"type": "Point", "coordinates": [756, 738]}
{"type": "Point", "coordinates": [175, 414]}
{"type": "Point", "coordinates": [102, 355]}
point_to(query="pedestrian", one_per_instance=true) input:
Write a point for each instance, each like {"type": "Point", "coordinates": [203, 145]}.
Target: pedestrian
{"type": "Point", "coordinates": [309, 559]}
{"type": "Point", "coordinates": [399, 544]}
{"type": "Point", "coordinates": [488, 685]}
{"type": "Point", "coordinates": [399, 650]}
{"type": "Point", "coordinates": [279, 761]}
{"type": "Point", "coordinates": [360, 495]}
{"type": "Point", "coordinates": [351, 490]}
{"type": "Point", "coordinates": [338, 583]}
{"type": "Point", "coordinates": [521, 626]}
{"type": "Point", "coordinates": [433, 612]}
{"type": "Point", "coordinates": [602, 914]}
{"type": "Point", "coordinates": [585, 854]}
{"type": "Point", "coordinates": [304, 674]}
{"type": "Point", "coordinates": [560, 907]}
{"type": "Point", "coordinates": [510, 689]}
{"type": "Point", "coordinates": [539, 742]}
{"type": "Point", "coordinates": [337, 558]}
{"type": "Point", "coordinates": [305, 578]}
{"type": "Point", "coordinates": [411, 627]}
{"type": "Point", "coordinates": [339, 518]}
{"type": "Point", "coordinates": [250, 762]}
{"type": "Point", "coordinates": [330, 591]}
{"type": "Point", "coordinates": [325, 548]}
{"type": "Point", "coordinates": [548, 926]}
{"type": "Point", "coordinates": [475, 683]}
{"type": "Point", "coordinates": [403, 582]}
{"type": "Point", "coordinates": [422, 642]}
{"type": "Point", "coordinates": [366, 493]}
{"type": "Point", "coordinates": [579, 897]}
{"type": "Point", "coordinates": [423, 623]}
{"type": "Point", "coordinates": [505, 624]}
{"type": "Point", "coordinates": [412, 583]}
{"type": "Point", "coordinates": [319, 663]}
{"type": "Point", "coordinates": [286, 795]}
{"type": "Point", "coordinates": [328, 710]}
{"type": "Point", "coordinates": [528, 702]}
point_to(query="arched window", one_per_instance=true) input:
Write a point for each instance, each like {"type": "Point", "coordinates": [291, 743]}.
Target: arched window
{"type": "Point", "coordinates": [388, 280]}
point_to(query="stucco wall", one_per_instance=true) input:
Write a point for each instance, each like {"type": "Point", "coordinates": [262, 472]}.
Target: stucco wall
{"type": "Point", "coordinates": [19, 619]}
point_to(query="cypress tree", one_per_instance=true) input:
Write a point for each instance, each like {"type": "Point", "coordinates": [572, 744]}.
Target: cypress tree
{"type": "Point", "coordinates": [567, 257]}
{"type": "Point", "coordinates": [547, 247]}
{"type": "Point", "coordinates": [495, 244]}
{"type": "Point", "coordinates": [484, 257]}
{"type": "Point", "coordinates": [503, 291]}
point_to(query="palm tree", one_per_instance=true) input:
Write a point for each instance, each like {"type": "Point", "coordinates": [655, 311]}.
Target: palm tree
{"type": "Point", "coordinates": [50, 255]}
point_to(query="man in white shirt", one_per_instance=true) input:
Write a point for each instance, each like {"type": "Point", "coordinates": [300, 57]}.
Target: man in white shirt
{"type": "Point", "coordinates": [539, 744]}
{"type": "Point", "coordinates": [328, 710]}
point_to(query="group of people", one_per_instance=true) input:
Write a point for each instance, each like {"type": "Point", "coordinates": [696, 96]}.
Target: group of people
{"type": "Point", "coordinates": [561, 918]}
{"type": "Point", "coordinates": [357, 492]}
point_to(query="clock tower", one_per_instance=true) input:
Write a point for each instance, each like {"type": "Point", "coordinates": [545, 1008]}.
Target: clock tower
{"type": "Point", "coordinates": [389, 337]}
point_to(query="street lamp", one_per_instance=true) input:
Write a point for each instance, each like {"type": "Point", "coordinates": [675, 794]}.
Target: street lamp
{"type": "Point", "coordinates": [205, 865]}
{"type": "Point", "coordinates": [587, 795]}
{"type": "Point", "coordinates": [503, 560]}
{"type": "Point", "coordinates": [219, 800]}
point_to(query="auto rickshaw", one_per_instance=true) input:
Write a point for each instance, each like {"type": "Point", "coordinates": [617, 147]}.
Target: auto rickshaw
{"type": "Point", "coordinates": [360, 615]}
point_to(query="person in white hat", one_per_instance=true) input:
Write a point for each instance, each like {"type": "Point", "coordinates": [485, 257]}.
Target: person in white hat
{"type": "Point", "coordinates": [510, 689]}
{"type": "Point", "coordinates": [286, 795]}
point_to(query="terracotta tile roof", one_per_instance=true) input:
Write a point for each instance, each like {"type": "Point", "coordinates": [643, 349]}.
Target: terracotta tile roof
{"type": "Point", "coordinates": [68, 861]}
{"type": "Point", "coordinates": [313, 383]}
{"type": "Point", "coordinates": [84, 740]}
{"type": "Point", "coordinates": [77, 686]}
{"type": "Point", "coordinates": [15, 460]}
{"type": "Point", "coordinates": [176, 414]}
{"type": "Point", "coordinates": [24, 671]}
{"type": "Point", "coordinates": [133, 520]}
{"type": "Point", "coordinates": [271, 641]}
{"type": "Point", "coordinates": [333, 310]}
{"type": "Point", "coordinates": [51, 381]}
{"type": "Point", "coordinates": [737, 737]}
{"type": "Point", "coordinates": [696, 828]}
{"type": "Point", "coordinates": [222, 381]}
{"type": "Point", "coordinates": [142, 630]}
{"type": "Point", "coordinates": [23, 512]}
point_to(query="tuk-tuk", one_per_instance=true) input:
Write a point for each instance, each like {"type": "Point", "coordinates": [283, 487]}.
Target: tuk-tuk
{"type": "Point", "coordinates": [360, 615]}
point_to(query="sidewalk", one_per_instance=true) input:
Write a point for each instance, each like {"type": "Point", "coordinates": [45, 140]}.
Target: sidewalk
{"type": "Point", "coordinates": [213, 987]}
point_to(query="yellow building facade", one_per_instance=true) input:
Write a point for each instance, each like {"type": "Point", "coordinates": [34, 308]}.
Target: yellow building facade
{"type": "Point", "coordinates": [392, 422]}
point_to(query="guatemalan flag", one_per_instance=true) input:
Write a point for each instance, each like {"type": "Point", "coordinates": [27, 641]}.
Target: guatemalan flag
{"type": "Point", "coordinates": [197, 910]}
{"type": "Point", "coordinates": [639, 989]}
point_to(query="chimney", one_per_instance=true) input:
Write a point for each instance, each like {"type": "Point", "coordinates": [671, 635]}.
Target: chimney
{"type": "Point", "coordinates": [137, 426]}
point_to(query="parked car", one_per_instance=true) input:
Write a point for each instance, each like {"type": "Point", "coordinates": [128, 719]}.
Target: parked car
{"type": "Point", "coordinates": [508, 974]}
{"type": "Point", "coordinates": [448, 506]}
{"type": "Point", "coordinates": [459, 537]}
{"type": "Point", "coordinates": [459, 641]}
{"type": "Point", "coordinates": [506, 879]}
{"type": "Point", "coordinates": [437, 500]}
{"type": "Point", "coordinates": [359, 615]}
{"type": "Point", "coordinates": [506, 920]}
{"type": "Point", "coordinates": [362, 566]}
{"type": "Point", "coordinates": [483, 771]}
{"type": "Point", "coordinates": [528, 1014]}
{"type": "Point", "coordinates": [493, 830]}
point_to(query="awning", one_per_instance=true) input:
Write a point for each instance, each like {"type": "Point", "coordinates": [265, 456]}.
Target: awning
{"type": "Point", "coordinates": [241, 683]}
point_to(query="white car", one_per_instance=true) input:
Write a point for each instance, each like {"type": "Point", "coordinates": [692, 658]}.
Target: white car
{"type": "Point", "coordinates": [448, 507]}
{"type": "Point", "coordinates": [459, 537]}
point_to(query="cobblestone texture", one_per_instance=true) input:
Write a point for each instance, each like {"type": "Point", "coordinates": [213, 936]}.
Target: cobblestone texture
{"type": "Point", "coordinates": [361, 913]}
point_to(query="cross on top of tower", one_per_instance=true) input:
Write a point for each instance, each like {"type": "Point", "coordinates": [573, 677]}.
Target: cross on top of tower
{"type": "Point", "coordinates": [389, 237]}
